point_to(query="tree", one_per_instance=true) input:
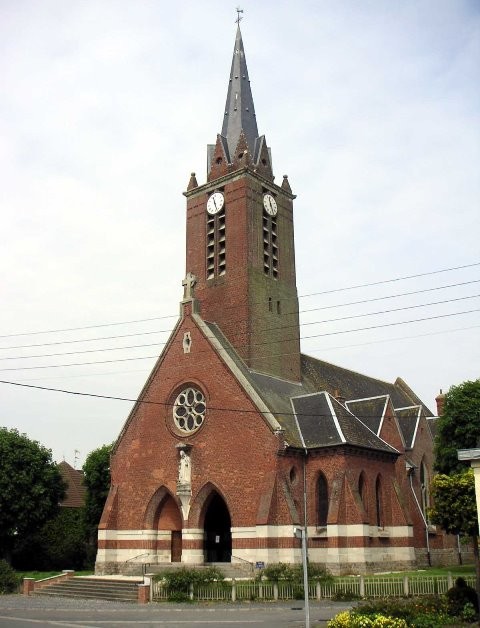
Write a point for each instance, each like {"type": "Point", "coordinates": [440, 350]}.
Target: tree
{"type": "Point", "coordinates": [454, 507]}
{"type": "Point", "coordinates": [58, 544]}
{"type": "Point", "coordinates": [30, 488]}
{"type": "Point", "coordinates": [458, 427]}
{"type": "Point", "coordinates": [454, 490]}
{"type": "Point", "coordinates": [97, 481]}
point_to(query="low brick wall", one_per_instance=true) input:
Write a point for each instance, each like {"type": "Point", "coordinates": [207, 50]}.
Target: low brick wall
{"type": "Point", "coordinates": [30, 585]}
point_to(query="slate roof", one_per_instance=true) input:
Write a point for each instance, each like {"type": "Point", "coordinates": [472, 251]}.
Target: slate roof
{"type": "Point", "coordinates": [408, 419]}
{"type": "Point", "coordinates": [323, 422]}
{"type": "Point", "coordinates": [432, 423]}
{"type": "Point", "coordinates": [309, 413]}
{"type": "Point", "coordinates": [239, 110]}
{"type": "Point", "coordinates": [76, 491]}
{"type": "Point", "coordinates": [369, 411]}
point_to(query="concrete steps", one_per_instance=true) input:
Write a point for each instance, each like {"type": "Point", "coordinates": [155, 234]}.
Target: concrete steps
{"type": "Point", "coordinates": [94, 588]}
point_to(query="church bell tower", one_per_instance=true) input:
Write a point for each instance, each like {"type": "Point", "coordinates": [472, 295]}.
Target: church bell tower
{"type": "Point", "coordinates": [240, 241]}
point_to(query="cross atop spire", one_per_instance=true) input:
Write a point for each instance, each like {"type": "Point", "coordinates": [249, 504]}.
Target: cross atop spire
{"type": "Point", "coordinates": [239, 110]}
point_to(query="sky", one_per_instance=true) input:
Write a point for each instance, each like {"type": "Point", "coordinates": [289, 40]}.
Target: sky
{"type": "Point", "coordinates": [106, 107]}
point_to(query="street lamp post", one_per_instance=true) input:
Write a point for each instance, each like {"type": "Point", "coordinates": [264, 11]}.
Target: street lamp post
{"type": "Point", "coordinates": [300, 533]}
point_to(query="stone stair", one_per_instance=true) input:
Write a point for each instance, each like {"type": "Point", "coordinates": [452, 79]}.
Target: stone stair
{"type": "Point", "coordinates": [94, 588]}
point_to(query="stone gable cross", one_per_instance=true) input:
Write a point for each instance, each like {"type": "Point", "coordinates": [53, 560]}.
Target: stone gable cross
{"type": "Point", "coordinates": [188, 284]}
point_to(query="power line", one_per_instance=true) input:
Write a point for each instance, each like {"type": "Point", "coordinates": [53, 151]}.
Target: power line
{"type": "Point", "coordinates": [378, 283]}
{"type": "Point", "coordinates": [333, 333]}
{"type": "Point", "coordinates": [323, 349]}
{"type": "Point", "coordinates": [55, 331]}
{"type": "Point", "coordinates": [388, 296]}
{"type": "Point", "coordinates": [161, 331]}
{"type": "Point", "coordinates": [171, 404]}
{"type": "Point", "coordinates": [344, 289]}
{"type": "Point", "coordinates": [332, 320]}
{"type": "Point", "coordinates": [69, 342]}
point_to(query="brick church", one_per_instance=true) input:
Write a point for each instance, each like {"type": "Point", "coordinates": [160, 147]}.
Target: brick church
{"type": "Point", "coordinates": [237, 437]}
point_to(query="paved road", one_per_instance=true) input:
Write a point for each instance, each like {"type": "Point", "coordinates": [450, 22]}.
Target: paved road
{"type": "Point", "coordinates": [17, 611]}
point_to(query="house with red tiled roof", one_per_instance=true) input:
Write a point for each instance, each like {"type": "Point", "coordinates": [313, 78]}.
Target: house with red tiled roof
{"type": "Point", "coordinates": [76, 490]}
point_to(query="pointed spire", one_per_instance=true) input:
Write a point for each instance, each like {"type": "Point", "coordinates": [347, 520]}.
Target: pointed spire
{"type": "Point", "coordinates": [239, 109]}
{"type": "Point", "coordinates": [192, 183]}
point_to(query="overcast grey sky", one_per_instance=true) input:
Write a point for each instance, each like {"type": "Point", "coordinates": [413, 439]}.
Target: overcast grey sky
{"type": "Point", "coordinates": [371, 108]}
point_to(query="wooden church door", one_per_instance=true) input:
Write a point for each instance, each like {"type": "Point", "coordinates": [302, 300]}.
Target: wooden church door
{"type": "Point", "coordinates": [176, 546]}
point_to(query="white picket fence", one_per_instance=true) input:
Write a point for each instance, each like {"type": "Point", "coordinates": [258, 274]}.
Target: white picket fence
{"type": "Point", "coordinates": [365, 587]}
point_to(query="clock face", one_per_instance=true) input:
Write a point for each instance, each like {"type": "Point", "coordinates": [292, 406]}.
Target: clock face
{"type": "Point", "coordinates": [270, 204]}
{"type": "Point", "coordinates": [215, 203]}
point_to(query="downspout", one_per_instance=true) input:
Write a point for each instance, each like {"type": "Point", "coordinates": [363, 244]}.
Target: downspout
{"type": "Point", "coordinates": [305, 517]}
{"type": "Point", "coordinates": [410, 475]}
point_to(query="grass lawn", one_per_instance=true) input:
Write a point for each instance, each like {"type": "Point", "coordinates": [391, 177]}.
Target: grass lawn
{"type": "Point", "coordinates": [455, 570]}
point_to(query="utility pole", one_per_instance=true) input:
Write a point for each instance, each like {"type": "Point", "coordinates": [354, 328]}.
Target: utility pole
{"type": "Point", "coordinates": [300, 533]}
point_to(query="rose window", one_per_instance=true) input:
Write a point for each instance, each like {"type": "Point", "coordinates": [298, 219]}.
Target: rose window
{"type": "Point", "coordinates": [189, 410]}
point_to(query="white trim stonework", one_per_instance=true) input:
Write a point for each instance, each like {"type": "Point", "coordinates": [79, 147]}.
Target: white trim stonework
{"type": "Point", "coordinates": [335, 558]}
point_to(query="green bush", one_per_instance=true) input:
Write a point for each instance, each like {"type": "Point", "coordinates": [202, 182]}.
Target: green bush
{"type": "Point", "coordinates": [315, 572]}
{"type": "Point", "coordinates": [294, 573]}
{"type": "Point", "coordinates": [459, 596]}
{"type": "Point", "coordinates": [177, 581]}
{"type": "Point", "coordinates": [423, 612]}
{"type": "Point", "coordinates": [58, 544]}
{"type": "Point", "coordinates": [278, 571]}
{"type": "Point", "coordinates": [350, 619]}
{"type": "Point", "coordinates": [8, 578]}
{"type": "Point", "coordinates": [345, 596]}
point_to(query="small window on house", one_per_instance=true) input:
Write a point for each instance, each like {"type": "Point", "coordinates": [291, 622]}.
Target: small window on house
{"type": "Point", "coordinates": [278, 308]}
{"type": "Point", "coordinates": [270, 308]}
{"type": "Point", "coordinates": [322, 501]}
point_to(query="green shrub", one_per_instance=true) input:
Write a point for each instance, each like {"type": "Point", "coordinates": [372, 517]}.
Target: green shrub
{"type": "Point", "coordinates": [8, 578]}
{"type": "Point", "coordinates": [423, 612]}
{"type": "Point", "coordinates": [408, 609]}
{"type": "Point", "coordinates": [58, 544]}
{"type": "Point", "coordinates": [294, 573]}
{"type": "Point", "coordinates": [177, 581]}
{"type": "Point", "coordinates": [459, 596]}
{"type": "Point", "coordinates": [350, 619]}
{"type": "Point", "coordinates": [279, 571]}
{"type": "Point", "coordinates": [345, 596]}
{"type": "Point", "coordinates": [315, 572]}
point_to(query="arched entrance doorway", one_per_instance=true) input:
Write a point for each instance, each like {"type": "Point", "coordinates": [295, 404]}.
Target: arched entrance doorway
{"type": "Point", "coordinates": [217, 532]}
{"type": "Point", "coordinates": [168, 522]}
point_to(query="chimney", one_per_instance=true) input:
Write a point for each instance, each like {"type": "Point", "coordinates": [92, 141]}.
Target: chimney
{"type": "Point", "coordinates": [440, 399]}
{"type": "Point", "coordinates": [339, 397]}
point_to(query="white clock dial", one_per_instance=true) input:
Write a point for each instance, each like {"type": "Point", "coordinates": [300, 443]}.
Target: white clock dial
{"type": "Point", "coordinates": [270, 204]}
{"type": "Point", "coordinates": [215, 203]}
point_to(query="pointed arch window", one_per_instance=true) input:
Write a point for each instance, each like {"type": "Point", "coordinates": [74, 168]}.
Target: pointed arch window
{"type": "Point", "coordinates": [322, 501]}
{"type": "Point", "coordinates": [362, 491]}
{"type": "Point", "coordinates": [424, 490]}
{"type": "Point", "coordinates": [379, 503]}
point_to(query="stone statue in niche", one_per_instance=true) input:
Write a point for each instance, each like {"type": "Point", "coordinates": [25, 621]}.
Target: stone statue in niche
{"type": "Point", "coordinates": [184, 468]}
